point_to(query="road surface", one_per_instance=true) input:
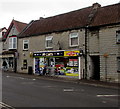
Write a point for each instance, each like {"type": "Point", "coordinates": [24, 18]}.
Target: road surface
{"type": "Point", "coordinates": [22, 91]}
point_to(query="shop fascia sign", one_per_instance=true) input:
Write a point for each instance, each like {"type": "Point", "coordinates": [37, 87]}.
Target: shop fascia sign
{"type": "Point", "coordinates": [48, 54]}
{"type": "Point", "coordinates": [71, 53]}
{"type": "Point", "coordinates": [57, 53]}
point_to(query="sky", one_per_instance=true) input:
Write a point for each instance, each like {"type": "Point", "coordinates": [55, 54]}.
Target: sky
{"type": "Point", "coordinates": [27, 10]}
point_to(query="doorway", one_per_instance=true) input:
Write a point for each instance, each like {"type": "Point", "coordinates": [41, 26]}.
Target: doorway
{"type": "Point", "coordinates": [95, 67]}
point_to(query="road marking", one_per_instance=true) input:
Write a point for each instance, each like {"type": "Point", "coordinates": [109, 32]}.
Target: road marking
{"type": "Point", "coordinates": [104, 102]}
{"type": "Point", "coordinates": [68, 90]}
{"type": "Point", "coordinates": [108, 95]}
{"type": "Point", "coordinates": [6, 106]}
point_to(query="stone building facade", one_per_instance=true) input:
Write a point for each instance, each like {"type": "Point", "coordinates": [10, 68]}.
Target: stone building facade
{"type": "Point", "coordinates": [97, 34]}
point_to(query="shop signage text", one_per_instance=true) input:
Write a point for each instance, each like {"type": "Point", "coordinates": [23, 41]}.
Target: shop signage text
{"type": "Point", "coordinates": [71, 53]}
{"type": "Point", "coordinates": [45, 54]}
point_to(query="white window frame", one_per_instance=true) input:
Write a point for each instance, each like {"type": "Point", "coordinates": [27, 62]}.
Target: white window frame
{"type": "Point", "coordinates": [11, 42]}
{"type": "Point", "coordinates": [71, 36]}
{"type": "Point", "coordinates": [25, 42]}
{"type": "Point", "coordinates": [49, 38]}
{"type": "Point", "coordinates": [118, 36]}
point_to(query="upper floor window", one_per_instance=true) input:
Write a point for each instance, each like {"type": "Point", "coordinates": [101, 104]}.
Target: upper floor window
{"type": "Point", "coordinates": [13, 42]}
{"type": "Point", "coordinates": [73, 39]}
{"type": "Point", "coordinates": [25, 44]}
{"type": "Point", "coordinates": [118, 36]}
{"type": "Point", "coordinates": [118, 63]}
{"type": "Point", "coordinates": [49, 41]}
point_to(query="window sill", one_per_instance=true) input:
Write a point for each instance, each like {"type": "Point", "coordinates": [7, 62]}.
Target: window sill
{"type": "Point", "coordinates": [25, 50]}
{"type": "Point", "coordinates": [48, 48]}
{"type": "Point", "coordinates": [12, 48]}
{"type": "Point", "coordinates": [72, 46]}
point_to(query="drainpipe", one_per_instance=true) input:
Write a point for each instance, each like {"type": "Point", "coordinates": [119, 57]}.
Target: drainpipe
{"type": "Point", "coordinates": [86, 40]}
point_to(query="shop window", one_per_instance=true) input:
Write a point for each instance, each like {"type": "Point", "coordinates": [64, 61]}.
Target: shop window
{"type": "Point", "coordinates": [25, 44]}
{"type": "Point", "coordinates": [73, 62]}
{"type": "Point", "coordinates": [49, 41]}
{"type": "Point", "coordinates": [118, 37]}
{"type": "Point", "coordinates": [73, 39]}
{"type": "Point", "coordinates": [12, 42]}
{"type": "Point", "coordinates": [118, 62]}
{"type": "Point", "coordinates": [25, 64]}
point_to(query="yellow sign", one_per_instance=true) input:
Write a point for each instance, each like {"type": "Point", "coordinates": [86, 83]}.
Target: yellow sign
{"type": "Point", "coordinates": [71, 53]}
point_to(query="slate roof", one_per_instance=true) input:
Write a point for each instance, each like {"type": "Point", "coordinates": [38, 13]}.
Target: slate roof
{"type": "Point", "coordinates": [107, 15]}
{"type": "Point", "coordinates": [73, 20]}
{"type": "Point", "coordinates": [2, 29]}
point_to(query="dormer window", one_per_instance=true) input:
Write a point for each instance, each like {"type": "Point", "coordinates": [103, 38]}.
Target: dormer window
{"type": "Point", "coordinates": [12, 42]}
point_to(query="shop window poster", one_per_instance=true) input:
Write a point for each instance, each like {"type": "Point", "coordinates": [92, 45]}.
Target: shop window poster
{"type": "Point", "coordinates": [36, 65]}
{"type": "Point", "coordinates": [41, 62]}
{"type": "Point", "coordinates": [73, 62]}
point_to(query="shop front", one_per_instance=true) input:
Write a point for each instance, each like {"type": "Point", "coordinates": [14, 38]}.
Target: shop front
{"type": "Point", "coordinates": [65, 63]}
{"type": "Point", "coordinates": [9, 59]}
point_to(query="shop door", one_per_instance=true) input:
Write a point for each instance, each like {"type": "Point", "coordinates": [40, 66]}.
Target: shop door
{"type": "Point", "coordinates": [51, 62]}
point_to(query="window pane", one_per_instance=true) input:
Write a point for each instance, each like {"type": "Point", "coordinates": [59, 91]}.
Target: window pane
{"type": "Point", "coordinates": [25, 41]}
{"type": "Point", "coordinates": [49, 37]}
{"type": "Point", "coordinates": [25, 44]}
{"type": "Point", "coordinates": [48, 43]}
{"type": "Point", "coordinates": [10, 42]}
{"type": "Point", "coordinates": [74, 41]}
{"type": "Point", "coordinates": [73, 35]}
{"type": "Point", "coordinates": [118, 36]}
{"type": "Point", "coordinates": [14, 42]}
{"type": "Point", "coordinates": [118, 59]}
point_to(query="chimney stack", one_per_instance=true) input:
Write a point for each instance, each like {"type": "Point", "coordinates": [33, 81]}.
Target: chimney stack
{"type": "Point", "coordinates": [96, 5]}
{"type": "Point", "coordinates": [41, 18]}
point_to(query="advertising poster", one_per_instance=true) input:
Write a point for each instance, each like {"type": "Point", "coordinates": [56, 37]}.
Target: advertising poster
{"type": "Point", "coordinates": [37, 65]}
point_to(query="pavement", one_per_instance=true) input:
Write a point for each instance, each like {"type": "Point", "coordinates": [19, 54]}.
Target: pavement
{"type": "Point", "coordinates": [71, 79]}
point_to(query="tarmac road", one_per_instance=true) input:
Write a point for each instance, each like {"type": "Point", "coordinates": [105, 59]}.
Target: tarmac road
{"type": "Point", "coordinates": [22, 91]}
